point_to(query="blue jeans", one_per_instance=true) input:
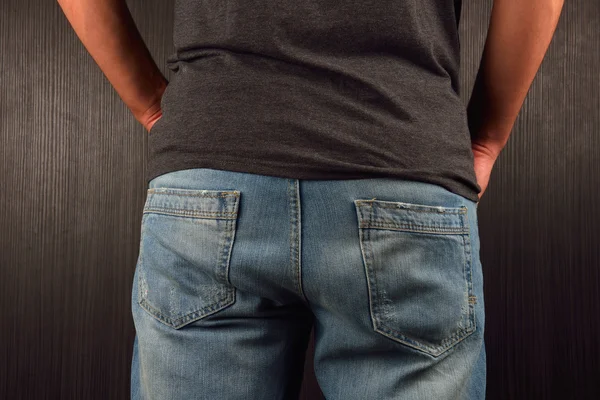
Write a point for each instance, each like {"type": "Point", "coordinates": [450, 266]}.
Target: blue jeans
{"type": "Point", "coordinates": [235, 269]}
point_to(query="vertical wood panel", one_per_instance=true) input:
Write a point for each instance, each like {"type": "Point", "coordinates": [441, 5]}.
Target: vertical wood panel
{"type": "Point", "coordinates": [538, 220]}
{"type": "Point", "coordinates": [73, 162]}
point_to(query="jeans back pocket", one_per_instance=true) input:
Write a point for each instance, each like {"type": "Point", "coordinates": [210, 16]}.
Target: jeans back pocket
{"type": "Point", "coordinates": [417, 261]}
{"type": "Point", "coordinates": [186, 241]}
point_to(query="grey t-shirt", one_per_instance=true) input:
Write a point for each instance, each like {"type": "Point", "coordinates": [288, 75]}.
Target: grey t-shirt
{"type": "Point", "coordinates": [316, 89]}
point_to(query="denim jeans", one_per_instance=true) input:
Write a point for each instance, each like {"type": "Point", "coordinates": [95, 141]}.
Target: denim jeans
{"type": "Point", "coordinates": [235, 269]}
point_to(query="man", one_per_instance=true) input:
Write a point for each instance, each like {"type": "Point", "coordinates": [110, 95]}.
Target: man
{"type": "Point", "coordinates": [311, 160]}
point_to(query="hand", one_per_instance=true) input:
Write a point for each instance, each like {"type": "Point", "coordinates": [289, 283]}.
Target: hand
{"type": "Point", "coordinates": [151, 115]}
{"type": "Point", "coordinates": [485, 156]}
{"type": "Point", "coordinates": [152, 120]}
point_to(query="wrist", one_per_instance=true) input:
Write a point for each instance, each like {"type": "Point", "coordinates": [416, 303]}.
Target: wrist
{"type": "Point", "coordinates": [152, 109]}
{"type": "Point", "coordinates": [488, 146]}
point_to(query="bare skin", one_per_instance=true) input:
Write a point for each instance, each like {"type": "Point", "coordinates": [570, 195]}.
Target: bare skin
{"type": "Point", "coordinates": [518, 37]}
{"type": "Point", "coordinates": [108, 32]}
{"type": "Point", "coordinates": [519, 34]}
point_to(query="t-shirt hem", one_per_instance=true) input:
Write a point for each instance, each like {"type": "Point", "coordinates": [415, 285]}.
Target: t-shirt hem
{"type": "Point", "coordinates": [298, 171]}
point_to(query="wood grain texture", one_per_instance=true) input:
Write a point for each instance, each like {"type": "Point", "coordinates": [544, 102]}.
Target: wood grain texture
{"type": "Point", "coordinates": [73, 161]}
{"type": "Point", "coordinates": [539, 220]}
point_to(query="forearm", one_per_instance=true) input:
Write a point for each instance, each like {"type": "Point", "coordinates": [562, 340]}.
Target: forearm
{"type": "Point", "coordinates": [518, 37]}
{"type": "Point", "coordinates": [108, 32]}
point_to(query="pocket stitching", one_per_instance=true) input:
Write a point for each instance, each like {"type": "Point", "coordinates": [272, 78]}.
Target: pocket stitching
{"type": "Point", "coordinates": [226, 300]}
{"type": "Point", "coordinates": [188, 213]}
{"type": "Point", "coordinates": [226, 295]}
{"type": "Point", "coordinates": [375, 293]}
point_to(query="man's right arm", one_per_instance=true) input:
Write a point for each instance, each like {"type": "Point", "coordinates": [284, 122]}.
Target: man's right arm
{"type": "Point", "coordinates": [518, 37]}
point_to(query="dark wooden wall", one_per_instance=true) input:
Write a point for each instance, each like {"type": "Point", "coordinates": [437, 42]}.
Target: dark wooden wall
{"type": "Point", "coordinates": [72, 164]}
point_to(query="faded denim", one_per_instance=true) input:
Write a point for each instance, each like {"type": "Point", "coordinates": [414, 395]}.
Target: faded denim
{"type": "Point", "coordinates": [235, 269]}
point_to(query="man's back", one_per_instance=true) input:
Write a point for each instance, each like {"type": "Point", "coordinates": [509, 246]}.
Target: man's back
{"type": "Point", "coordinates": [317, 90]}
